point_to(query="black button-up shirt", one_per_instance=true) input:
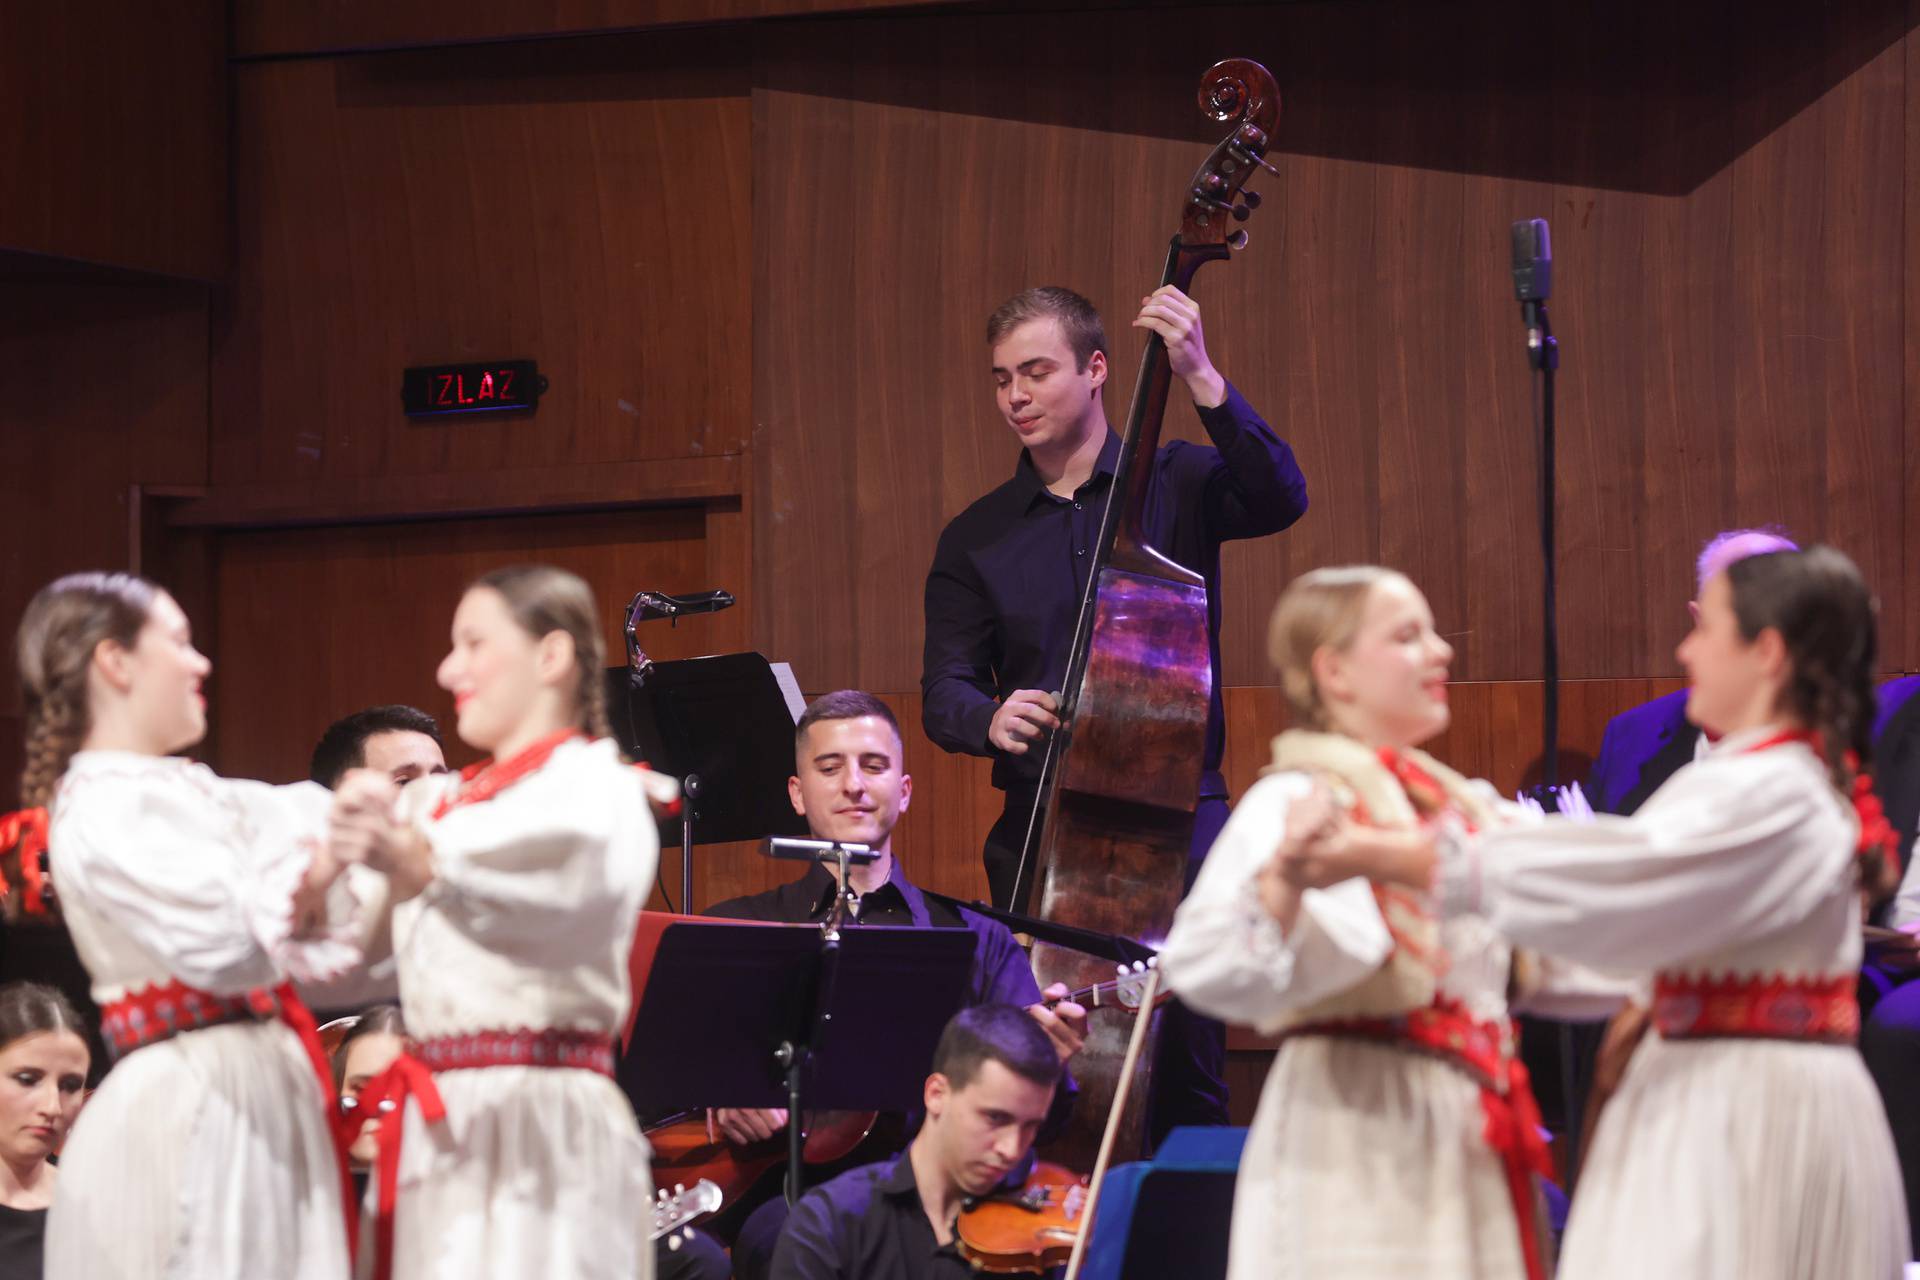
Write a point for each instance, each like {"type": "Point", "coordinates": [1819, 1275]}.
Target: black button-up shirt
{"type": "Point", "coordinates": [1010, 570]}
{"type": "Point", "coordinates": [868, 1224]}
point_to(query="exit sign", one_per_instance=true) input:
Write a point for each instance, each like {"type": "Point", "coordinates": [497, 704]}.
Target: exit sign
{"type": "Point", "coordinates": [491, 386]}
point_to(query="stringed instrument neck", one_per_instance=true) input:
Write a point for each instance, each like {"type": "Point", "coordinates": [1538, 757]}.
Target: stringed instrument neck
{"type": "Point", "coordinates": [1123, 992]}
{"type": "Point", "coordinates": [1123, 537]}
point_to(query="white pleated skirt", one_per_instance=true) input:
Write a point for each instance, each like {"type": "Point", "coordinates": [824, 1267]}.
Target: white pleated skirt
{"type": "Point", "coordinates": [1367, 1161]}
{"type": "Point", "coordinates": [204, 1156]}
{"type": "Point", "coordinates": [1740, 1160]}
{"type": "Point", "coordinates": [536, 1171]}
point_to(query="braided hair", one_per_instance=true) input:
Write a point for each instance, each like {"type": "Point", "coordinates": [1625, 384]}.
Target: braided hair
{"type": "Point", "coordinates": [59, 632]}
{"type": "Point", "coordinates": [1819, 605]}
{"type": "Point", "coordinates": [542, 600]}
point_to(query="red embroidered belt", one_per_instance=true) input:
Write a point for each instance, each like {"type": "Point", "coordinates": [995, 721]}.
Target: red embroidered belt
{"type": "Point", "coordinates": [585, 1050]}
{"type": "Point", "coordinates": [164, 1011]}
{"type": "Point", "coordinates": [173, 1008]}
{"type": "Point", "coordinates": [1511, 1117]}
{"type": "Point", "coordinates": [1825, 1010]}
{"type": "Point", "coordinates": [411, 1076]}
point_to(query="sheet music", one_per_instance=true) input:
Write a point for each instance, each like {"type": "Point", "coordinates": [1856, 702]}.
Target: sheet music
{"type": "Point", "coordinates": [789, 689]}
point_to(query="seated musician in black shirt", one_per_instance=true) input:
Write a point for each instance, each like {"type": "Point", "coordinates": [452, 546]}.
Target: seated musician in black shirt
{"type": "Point", "coordinates": [993, 1079]}
{"type": "Point", "coordinates": [851, 785]}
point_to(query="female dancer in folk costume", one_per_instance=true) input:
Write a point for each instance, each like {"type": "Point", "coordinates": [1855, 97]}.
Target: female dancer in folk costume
{"type": "Point", "coordinates": [1396, 1134]}
{"type": "Point", "coordinates": [192, 900]}
{"type": "Point", "coordinates": [1746, 1139]}
{"type": "Point", "coordinates": [518, 885]}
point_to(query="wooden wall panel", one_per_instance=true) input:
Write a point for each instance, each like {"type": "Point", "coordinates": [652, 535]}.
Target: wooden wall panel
{"type": "Point", "coordinates": [277, 28]}
{"type": "Point", "coordinates": [584, 203]}
{"type": "Point", "coordinates": [311, 624]}
{"type": "Point", "coordinates": [1724, 197]}
{"type": "Point", "coordinates": [106, 388]}
{"type": "Point", "coordinates": [113, 149]}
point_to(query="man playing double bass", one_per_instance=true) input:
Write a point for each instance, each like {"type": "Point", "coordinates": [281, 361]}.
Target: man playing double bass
{"type": "Point", "coordinates": [1008, 575]}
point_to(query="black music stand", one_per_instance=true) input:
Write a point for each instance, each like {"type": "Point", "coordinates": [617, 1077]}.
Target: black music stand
{"type": "Point", "coordinates": [771, 1015]}
{"type": "Point", "coordinates": [722, 726]}
{"type": "Point", "coordinates": [1104, 946]}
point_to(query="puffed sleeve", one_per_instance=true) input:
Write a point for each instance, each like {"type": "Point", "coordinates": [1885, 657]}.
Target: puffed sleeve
{"type": "Point", "coordinates": [1728, 849]}
{"type": "Point", "coordinates": [551, 862]}
{"type": "Point", "coordinates": [1228, 957]}
{"type": "Point", "coordinates": [200, 872]}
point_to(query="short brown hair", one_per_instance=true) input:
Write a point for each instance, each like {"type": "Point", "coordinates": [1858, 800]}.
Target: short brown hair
{"type": "Point", "coordinates": [1078, 320]}
{"type": "Point", "coordinates": [1001, 1033]}
{"type": "Point", "coordinates": [846, 704]}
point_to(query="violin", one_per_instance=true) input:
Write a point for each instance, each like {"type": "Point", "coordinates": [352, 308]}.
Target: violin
{"type": "Point", "coordinates": [1044, 1224]}
{"type": "Point", "coordinates": [1026, 1231]}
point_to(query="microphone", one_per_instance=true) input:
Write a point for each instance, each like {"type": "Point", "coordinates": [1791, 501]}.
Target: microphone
{"type": "Point", "coordinates": [1532, 276]}
{"type": "Point", "coordinates": [819, 850]}
{"type": "Point", "coordinates": [650, 605]}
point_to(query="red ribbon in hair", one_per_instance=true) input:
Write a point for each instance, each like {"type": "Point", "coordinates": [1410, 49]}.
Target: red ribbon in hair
{"type": "Point", "coordinates": [27, 828]}
{"type": "Point", "coordinates": [1877, 836]}
{"type": "Point", "coordinates": [1878, 840]}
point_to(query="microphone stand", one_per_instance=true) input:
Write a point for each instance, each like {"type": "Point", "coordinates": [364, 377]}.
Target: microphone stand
{"type": "Point", "coordinates": [1543, 356]}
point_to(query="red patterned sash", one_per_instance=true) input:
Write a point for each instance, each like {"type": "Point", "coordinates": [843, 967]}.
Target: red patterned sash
{"type": "Point", "coordinates": [1824, 1010]}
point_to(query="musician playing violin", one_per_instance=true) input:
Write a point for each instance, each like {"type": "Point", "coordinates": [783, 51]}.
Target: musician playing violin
{"type": "Point", "coordinates": [1009, 572]}
{"type": "Point", "coordinates": [851, 784]}
{"type": "Point", "coordinates": [994, 1075]}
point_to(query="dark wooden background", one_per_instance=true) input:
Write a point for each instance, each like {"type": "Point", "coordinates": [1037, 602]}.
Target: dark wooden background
{"type": "Point", "coordinates": [752, 243]}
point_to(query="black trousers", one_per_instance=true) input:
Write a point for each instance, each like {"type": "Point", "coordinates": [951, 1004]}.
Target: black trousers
{"type": "Point", "coordinates": [1189, 1066]}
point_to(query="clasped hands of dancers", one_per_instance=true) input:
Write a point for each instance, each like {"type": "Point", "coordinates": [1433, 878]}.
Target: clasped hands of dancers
{"type": "Point", "coordinates": [1378, 911]}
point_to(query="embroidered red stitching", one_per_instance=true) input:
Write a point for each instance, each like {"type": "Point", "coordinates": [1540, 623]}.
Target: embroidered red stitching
{"type": "Point", "coordinates": [486, 779]}
{"type": "Point", "coordinates": [520, 1047]}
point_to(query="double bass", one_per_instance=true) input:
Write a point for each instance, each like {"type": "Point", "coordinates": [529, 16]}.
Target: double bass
{"type": "Point", "coordinates": [1108, 841]}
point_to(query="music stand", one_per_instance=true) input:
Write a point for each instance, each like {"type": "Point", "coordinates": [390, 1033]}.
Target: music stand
{"type": "Point", "coordinates": [1104, 946]}
{"type": "Point", "coordinates": [722, 726]}
{"type": "Point", "coordinates": [771, 1015]}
